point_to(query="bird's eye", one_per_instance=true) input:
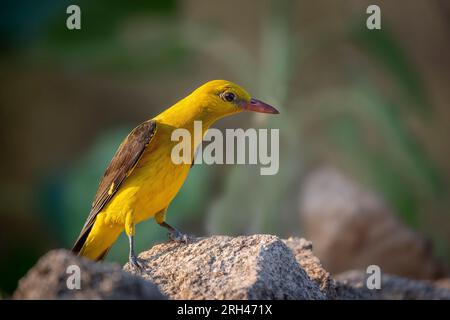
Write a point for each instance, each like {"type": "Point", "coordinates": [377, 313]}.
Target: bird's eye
{"type": "Point", "coordinates": [229, 96]}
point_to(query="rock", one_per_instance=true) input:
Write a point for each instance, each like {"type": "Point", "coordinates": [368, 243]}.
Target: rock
{"type": "Point", "coordinates": [443, 283]}
{"type": "Point", "coordinates": [220, 267]}
{"type": "Point", "coordinates": [392, 288]}
{"type": "Point", "coordinates": [302, 250]}
{"type": "Point", "coordinates": [48, 280]}
{"type": "Point", "coordinates": [352, 228]}
{"type": "Point", "coordinates": [345, 291]}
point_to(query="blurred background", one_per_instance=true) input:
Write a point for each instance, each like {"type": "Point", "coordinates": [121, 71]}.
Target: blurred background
{"type": "Point", "coordinates": [364, 123]}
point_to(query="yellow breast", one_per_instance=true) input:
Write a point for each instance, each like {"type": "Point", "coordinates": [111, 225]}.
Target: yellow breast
{"type": "Point", "coordinates": [151, 186]}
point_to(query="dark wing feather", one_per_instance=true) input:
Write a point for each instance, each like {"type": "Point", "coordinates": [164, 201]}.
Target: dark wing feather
{"type": "Point", "coordinates": [119, 168]}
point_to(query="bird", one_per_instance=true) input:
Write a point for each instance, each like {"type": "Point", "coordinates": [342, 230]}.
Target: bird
{"type": "Point", "coordinates": [141, 180]}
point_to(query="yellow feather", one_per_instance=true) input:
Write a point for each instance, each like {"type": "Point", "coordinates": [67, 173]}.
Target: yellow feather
{"type": "Point", "coordinates": [155, 180]}
{"type": "Point", "coordinates": [111, 189]}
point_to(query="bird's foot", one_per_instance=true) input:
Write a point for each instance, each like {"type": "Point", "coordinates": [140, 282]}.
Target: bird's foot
{"type": "Point", "coordinates": [178, 236]}
{"type": "Point", "coordinates": [136, 265]}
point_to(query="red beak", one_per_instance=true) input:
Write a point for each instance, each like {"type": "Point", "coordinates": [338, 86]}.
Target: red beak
{"type": "Point", "coordinates": [259, 106]}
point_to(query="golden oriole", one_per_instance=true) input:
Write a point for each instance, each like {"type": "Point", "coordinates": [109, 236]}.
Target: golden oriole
{"type": "Point", "coordinates": [141, 179]}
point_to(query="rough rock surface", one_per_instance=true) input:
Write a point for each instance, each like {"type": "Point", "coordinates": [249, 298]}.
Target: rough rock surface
{"type": "Point", "coordinates": [48, 280]}
{"type": "Point", "coordinates": [303, 252]}
{"type": "Point", "coordinates": [220, 267]}
{"type": "Point", "coordinates": [351, 228]}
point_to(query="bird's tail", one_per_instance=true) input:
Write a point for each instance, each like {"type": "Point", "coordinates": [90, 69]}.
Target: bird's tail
{"type": "Point", "coordinates": [95, 246]}
{"type": "Point", "coordinates": [78, 246]}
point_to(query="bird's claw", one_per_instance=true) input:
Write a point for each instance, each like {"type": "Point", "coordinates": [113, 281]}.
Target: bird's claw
{"type": "Point", "coordinates": [136, 265]}
{"type": "Point", "coordinates": [178, 236]}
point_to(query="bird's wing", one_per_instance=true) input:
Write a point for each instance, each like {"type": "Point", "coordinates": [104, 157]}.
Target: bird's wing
{"type": "Point", "coordinates": [120, 167]}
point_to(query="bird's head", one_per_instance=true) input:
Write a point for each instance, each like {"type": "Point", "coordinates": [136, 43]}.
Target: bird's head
{"type": "Point", "coordinates": [220, 98]}
{"type": "Point", "coordinates": [210, 102]}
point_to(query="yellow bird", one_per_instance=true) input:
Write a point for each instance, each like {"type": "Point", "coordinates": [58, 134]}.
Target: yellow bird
{"type": "Point", "coordinates": [141, 179]}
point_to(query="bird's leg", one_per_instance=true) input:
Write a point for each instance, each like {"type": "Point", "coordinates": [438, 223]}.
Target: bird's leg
{"type": "Point", "coordinates": [135, 263]}
{"type": "Point", "coordinates": [174, 234]}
